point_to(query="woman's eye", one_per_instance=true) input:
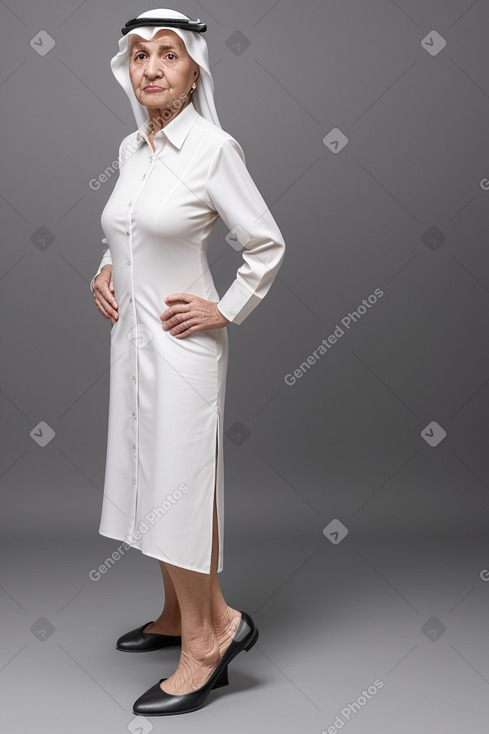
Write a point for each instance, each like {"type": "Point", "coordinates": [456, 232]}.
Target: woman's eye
{"type": "Point", "coordinates": [141, 54]}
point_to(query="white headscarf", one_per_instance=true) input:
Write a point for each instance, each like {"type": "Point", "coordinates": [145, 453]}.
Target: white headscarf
{"type": "Point", "coordinates": [202, 97]}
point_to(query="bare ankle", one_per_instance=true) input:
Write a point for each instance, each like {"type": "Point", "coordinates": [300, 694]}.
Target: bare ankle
{"type": "Point", "coordinates": [205, 655]}
{"type": "Point", "coordinates": [225, 618]}
{"type": "Point", "coordinates": [167, 625]}
{"type": "Point", "coordinates": [225, 626]}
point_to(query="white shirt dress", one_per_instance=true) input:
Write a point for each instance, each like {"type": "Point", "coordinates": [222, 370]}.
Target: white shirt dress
{"type": "Point", "coordinates": [166, 401]}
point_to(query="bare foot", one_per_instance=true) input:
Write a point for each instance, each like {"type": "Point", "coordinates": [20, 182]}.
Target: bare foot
{"type": "Point", "coordinates": [197, 664]}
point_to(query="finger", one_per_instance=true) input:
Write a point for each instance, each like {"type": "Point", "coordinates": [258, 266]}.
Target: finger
{"type": "Point", "coordinates": [105, 308]}
{"type": "Point", "coordinates": [175, 315]}
{"type": "Point", "coordinates": [178, 297]}
{"type": "Point", "coordinates": [179, 321]}
{"type": "Point", "coordinates": [106, 296]}
{"type": "Point", "coordinates": [185, 326]}
{"type": "Point", "coordinates": [102, 310]}
{"type": "Point", "coordinates": [189, 331]}
{"type": "Point", "coordinates": [104, 285]}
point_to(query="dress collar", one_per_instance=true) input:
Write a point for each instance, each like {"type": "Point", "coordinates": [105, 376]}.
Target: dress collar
{"type": "Point", "coordinates": [176, 130]}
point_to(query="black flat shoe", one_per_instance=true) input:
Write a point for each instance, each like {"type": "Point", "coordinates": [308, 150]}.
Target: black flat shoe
{"type": "Point", "coordinates": [155, 702]}
{"type": "Point", "coordinates": [139, 641]}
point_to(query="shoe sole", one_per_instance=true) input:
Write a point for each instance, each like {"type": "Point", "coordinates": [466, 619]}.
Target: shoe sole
{"type": "Point", "coordinates": [149, 649]}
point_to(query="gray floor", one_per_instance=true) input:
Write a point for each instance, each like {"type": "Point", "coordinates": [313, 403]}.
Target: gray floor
{"type": "Point", "coordinates": [334, 620]}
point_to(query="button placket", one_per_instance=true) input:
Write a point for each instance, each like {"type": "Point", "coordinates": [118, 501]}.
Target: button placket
{"type": "Point", "coordinates": [134, 367]}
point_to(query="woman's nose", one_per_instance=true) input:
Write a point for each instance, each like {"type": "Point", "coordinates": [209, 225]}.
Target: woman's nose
{"type": "Point", "coordinates": [152, 67]}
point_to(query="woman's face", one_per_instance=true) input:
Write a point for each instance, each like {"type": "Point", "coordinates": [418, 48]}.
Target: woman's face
{"type": "Point", "coordinates": [161, 70]}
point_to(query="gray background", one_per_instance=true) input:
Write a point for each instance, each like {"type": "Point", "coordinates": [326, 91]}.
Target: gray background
{"type": "Point", "coordinates": [401, 599]}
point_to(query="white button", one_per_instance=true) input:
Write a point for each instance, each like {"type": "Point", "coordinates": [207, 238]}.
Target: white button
{"type": "Point", "coordinates": [128, 261]}
{"type": "Point", "coordinates": [134, 378]}
{"type": "Point", "coordinates": [133, 414]}
{"type": "Point", "coordinates": [144, 177]}
{"type": "Point", "coordinates": [130, 300]}
{"type": "Point", "coordinates": [130, 203]}
{"type": "Point", "coordinates": [134, 445]}
{"type": "Point", "coordinates": [128, 234]}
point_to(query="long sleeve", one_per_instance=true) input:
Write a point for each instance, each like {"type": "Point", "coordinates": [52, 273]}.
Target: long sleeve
{"type": "Point", "coordinates": [234, 195]}
{"type": "Point", "coordinates": [106, 260]}
{"type": "Point", "coordinates": [106, 257]}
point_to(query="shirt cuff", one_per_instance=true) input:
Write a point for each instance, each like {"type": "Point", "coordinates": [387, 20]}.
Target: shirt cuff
{"type": "Point", "coordinates": [238, 302]}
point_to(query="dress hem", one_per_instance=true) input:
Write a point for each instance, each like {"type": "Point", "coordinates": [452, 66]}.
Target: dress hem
{"type": "Point", "coordinates": [151, 555]}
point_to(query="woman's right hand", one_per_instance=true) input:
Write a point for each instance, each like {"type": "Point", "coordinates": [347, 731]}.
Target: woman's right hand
{"type": "Point", "coordinates": [103, 291]}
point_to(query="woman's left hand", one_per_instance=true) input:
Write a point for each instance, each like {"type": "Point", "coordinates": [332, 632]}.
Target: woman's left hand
{"type": "Point", "coordinates": [191, 314]}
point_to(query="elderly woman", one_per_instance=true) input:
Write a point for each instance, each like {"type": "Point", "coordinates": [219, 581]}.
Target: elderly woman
{"type": "Point", "coordinates": [163, 493]}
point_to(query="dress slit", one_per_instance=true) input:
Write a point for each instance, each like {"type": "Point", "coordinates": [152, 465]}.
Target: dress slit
{"type": "Point", "coordinates": [216, 498]}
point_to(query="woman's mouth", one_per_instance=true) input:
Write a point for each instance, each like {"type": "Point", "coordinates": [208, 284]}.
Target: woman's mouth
{"type": "Point", "coordinates": [153, 88]}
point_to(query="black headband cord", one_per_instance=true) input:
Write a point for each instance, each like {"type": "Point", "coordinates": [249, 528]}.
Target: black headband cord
{"type": "Point", "coordinates": [188, 25]}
